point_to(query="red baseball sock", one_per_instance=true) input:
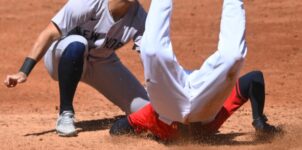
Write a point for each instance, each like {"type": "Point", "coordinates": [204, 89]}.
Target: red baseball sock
{"type": "Point", "coordinates": [146, 119]}
{"type": "Point", "coordinates": [232, 103]}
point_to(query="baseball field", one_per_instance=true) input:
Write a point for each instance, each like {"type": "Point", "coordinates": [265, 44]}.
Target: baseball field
{"type": "Point", "coordinates": [274, 34]}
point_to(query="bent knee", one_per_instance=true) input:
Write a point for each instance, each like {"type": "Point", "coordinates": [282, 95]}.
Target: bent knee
{"type": "Point", "coordinates": [138, 103]}
{"type": "Point", "coordinates": [75, 50]}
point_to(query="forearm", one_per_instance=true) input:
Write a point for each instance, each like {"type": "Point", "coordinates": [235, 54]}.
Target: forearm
{"type": "Point", "coordinates": [45, 39]}
{"type": "Point", "coordinates": [47, 36]}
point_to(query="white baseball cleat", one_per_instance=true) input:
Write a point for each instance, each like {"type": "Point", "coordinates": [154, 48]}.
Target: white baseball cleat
{"type": "Point", "coordinates": [65, 124]}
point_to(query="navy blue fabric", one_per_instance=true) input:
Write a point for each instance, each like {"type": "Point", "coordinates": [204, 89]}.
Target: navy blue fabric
{"type": "Point", "coordinates": [69, 73]}
{"type": "Point", "coordinates": [252, 87]}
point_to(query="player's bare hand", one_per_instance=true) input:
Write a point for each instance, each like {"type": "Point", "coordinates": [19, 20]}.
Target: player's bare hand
{"type": "Point", "coordinates": [13, 80]}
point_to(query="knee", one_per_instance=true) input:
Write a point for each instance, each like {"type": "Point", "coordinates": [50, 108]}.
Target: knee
{"type": "Point", "coordinates": [138, 103]}
{"type": "Point", "coordinates": [75, 51]}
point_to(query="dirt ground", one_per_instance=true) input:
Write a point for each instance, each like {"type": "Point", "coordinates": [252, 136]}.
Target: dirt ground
{"type": "Point", "coordinates": [28, 112]}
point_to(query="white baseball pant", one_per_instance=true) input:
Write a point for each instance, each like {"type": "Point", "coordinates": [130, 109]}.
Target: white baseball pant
{"type": "Point", "coordinates": [177, 95]}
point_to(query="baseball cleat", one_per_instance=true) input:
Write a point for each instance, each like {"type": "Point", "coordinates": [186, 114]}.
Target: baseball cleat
{"type": "Point", "coordinates": [65, 124]}
{"type": "Point", "coordinates": [121, 127]}
{"type": "Point", "coordinates": [262, 127]}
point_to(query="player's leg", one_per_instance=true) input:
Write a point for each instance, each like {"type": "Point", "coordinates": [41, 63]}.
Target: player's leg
{"type": "Point", "coordinates": [212, 83]}
{"type": "Point", "coordinates": [165, 78]}
{"type": "Point", "coordinates": [64, 61]}
{"type": "Point", "coordinates": [163, 74]}
{"type": "Point", "coordinates": [244, 90]}
{"type": "Point", "coordinates": [112, 79]}
{"type": "Point", "coordinates": [146, 119]}
{"type": "Point", "coordinates": [250, 86]}
{"type": "Point", "coordinates": [231, 104]}
{"type": "Point", "coordinates": [69, 73]}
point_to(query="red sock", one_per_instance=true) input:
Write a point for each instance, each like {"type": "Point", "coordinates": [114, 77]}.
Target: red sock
{"type": "Point", "coordinates": [146, 119]}
{"type": "Point", "coordinates": [232, 103]}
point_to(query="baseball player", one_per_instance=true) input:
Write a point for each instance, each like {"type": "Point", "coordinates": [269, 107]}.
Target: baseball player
{"type": "Point", "coordinates": [248, 87]}
{"type": "Point", "coordinates": [79, 45]}
{"type": "Point", "coordinates": [198, 98]}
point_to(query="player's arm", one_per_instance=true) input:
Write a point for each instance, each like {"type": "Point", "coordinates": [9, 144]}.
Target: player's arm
{"type": "Point", "coordinates": [45, 39]}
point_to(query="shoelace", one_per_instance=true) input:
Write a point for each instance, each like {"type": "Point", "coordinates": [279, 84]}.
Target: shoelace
{"type": "Point", "coordinates": [66, 118]}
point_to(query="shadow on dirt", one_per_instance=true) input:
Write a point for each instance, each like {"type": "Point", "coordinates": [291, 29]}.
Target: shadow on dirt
{"type": "Point", "coordinates": [85, 126]}
{"type": "Point", "coordinates": [217, 139]}
{"type": "Point", "coordinates": [249, 138]}
{"type": "Point", "coordinates": [230, 139]}
{"type": "Point", "coordinates": [95, 125]}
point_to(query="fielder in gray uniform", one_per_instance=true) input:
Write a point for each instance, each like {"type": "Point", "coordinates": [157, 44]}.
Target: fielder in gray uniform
{"type": "Point", "coordinates": [79, 45]}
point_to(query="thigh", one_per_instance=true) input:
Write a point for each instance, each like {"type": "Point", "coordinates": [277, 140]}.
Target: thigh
{"type": "Point", "coordinates": [116, 83]}
{"type": "Point", "coordinates": [165, 77]}
{"type": "Point", "coordinates": [53, 54]}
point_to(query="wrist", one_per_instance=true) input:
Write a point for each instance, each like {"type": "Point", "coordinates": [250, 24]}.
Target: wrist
{"type": "Point", "coordinates": [22, 73]}
{"type": "Point", "coordinates": [27, 66]}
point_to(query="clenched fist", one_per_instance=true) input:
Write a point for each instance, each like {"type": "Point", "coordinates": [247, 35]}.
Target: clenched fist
{"type": "Point", "coordinates": [13, 80]}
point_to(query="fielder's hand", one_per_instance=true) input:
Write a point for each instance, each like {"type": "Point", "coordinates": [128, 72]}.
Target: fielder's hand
{"type": "Point", "coordinates": [13, 80]}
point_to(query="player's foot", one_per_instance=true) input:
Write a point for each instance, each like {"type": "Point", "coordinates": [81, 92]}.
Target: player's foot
{"type": "Point", "coordinates": [262, 127]}
{"type": "Point", "coordinates": [146, 119]}
{"type": "Point", "coordinates": [121, 127]}
{"type": "Point", "coordinates": [65, 124]}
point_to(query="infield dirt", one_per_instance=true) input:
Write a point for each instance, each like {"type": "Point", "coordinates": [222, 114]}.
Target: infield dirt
{"type": "Point", "coordinates": [274, 34]}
